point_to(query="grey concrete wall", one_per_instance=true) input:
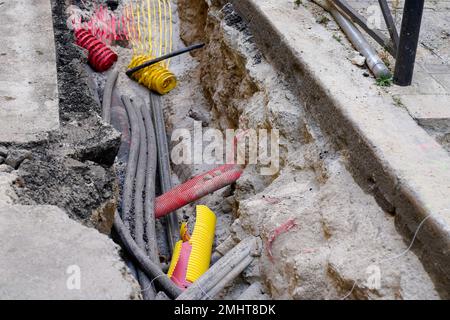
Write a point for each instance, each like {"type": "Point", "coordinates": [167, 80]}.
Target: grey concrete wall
{"type": "Point", "coordinates": [28, 82]}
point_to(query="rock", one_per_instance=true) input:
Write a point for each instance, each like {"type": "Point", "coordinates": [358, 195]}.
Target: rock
{"type": "Point", "coordinates": [77, 187]}
{"type": "Point", "coordinates": [358, 60]}
{"type": "Point", "coordinates": [15, 157]}
{"type": "Point", "coordinates": [46, 255]}
{"type": "Point", "coordinates": [2, 159]}
{"type": "Point", "coordinates": [3, 151]}
{"type": "Point", "coordinates": [7, 194]}
{"type": "Point", "coordinates": [6, 168]}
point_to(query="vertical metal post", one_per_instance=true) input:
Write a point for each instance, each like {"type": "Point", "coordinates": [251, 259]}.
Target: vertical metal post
{"type": "Point", "coordinates": [409, 38]}
{"type": "Point", "coordinates": [389, 23]}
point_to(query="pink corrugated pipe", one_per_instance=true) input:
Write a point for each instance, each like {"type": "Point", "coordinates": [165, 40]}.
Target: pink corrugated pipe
{"type": "Point", "coordinates": [196, 188]}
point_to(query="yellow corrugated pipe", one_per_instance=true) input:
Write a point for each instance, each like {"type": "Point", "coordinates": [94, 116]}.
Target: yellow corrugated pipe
{"type": "Point", "coordinates": [156, 77]}
{"type": "Point", "coordinates": [202, 240]}
{"type": "Point", "coordinates": [193, 253]}
{"type": "Point", "coordinates": [175, 258]}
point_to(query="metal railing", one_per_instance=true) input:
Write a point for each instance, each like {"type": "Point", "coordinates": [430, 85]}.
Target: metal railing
{"type": "Point", "coordinates": [403, 46]}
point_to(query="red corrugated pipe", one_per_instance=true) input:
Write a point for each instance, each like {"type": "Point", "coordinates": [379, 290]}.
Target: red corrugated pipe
{"type": "Point", "coordinates": [101, 57]}
{"type": "Point", "coordinates": [196, 188]}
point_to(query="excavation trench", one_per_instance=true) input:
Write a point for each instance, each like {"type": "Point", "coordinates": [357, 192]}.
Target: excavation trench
{"type": "Point", "coordinates": [324, 236]}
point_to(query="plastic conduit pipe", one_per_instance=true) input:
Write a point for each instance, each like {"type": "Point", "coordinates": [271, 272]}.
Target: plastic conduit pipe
{"type": "Point", "coordinates": [165, 179]}
{"type": "Point", "coordinates": [149, 213]}
{"type": "Point", "coordinates": [192, 255]}
{"type": "Point", "coordinates": [147, 290]}
{"type": "Point", "coordinates": [149, 267]}
{"type": "Point", "coordinates": [196, 188]}
{"type": "Point", "coordinates": [100, 57]}
{"type": "Point", "coordinates": [132, 162]}
{"type": "Point", "coordinates": [155, 77]}
{"type": "Point", "coordinates": [107, 96]}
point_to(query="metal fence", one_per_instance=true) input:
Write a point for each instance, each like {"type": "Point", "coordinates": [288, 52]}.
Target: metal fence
{"type": "Point", "coordinates": [402, 46]}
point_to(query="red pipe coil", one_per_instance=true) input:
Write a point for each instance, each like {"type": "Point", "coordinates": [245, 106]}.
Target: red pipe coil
{"type": "Point", "coordinates": [196, 188]}
{"type": "Point", "coordinates": [101, 58]}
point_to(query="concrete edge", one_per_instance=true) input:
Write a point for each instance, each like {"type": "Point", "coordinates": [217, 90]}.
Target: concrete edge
{"type": "Point", "coordinates": [393, 156]}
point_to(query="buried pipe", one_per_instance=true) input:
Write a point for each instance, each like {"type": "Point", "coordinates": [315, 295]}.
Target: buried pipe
{"type": "Point", "coordinates": [149, 212]}
{"type": "Point", "coordinates": [164, 166]}
{"type": "Point", "coordinates": [235, 260]}
{"type": "Point", "coordinates": [132, 162]}
{"type": "Point", "coordinates": [107, 95]}
{"type": "Point", "coordinates": [222, 284]}
{"type": "Point", "coordinates": [196, 188]}
{"type": "Point", "coordinates": [148, 266]}
{"type": "Point", "coordinates": [148, 292]}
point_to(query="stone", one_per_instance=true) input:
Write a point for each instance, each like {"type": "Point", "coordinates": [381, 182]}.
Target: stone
{"type": "Point", "coordinates": [16, 157]}
{"type": "Point", "coordinates": [3, 151]}
{"type": "Point", "coordinates": [6, 168]}
{"type": "Point", "coordinates": [358, 60]}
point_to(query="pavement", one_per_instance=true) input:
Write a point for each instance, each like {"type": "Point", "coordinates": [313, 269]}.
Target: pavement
{"type": "Point", "coordinates": [404, 166]}
{"type": "Point", "coordinates": [428, 98]}
{"type": "Point", "coordinates": [28, 86]}
{"type": "Point", "coordinates": [47, 256]}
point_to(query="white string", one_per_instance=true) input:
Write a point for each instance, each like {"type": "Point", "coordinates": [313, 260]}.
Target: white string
{"type": "Point", "coordinates": [351, 290]}
{"type": "Point", "coordinates": [410, 246]}
{"type": "Point", "coordinates": [203, 291]}
{"type": "Point", "coordinates": [151, 282]}
{"type": "Point", "coordinates": [394, 257]}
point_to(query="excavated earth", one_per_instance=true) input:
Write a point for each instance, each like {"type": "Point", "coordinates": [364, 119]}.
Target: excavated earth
{"type": "Point", "coordinates": [341, 234]}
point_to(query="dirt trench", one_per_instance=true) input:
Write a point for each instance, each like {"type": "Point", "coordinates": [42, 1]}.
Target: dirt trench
{"type": "Point", "coordinates": [344, 244]}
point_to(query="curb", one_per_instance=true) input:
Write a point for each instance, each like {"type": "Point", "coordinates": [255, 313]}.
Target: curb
{"type": "Point", "coordinates": [388, 152]}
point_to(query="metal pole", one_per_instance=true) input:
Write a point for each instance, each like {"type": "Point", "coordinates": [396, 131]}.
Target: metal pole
{"type": "Point", "coordinates": [375, 64]}
{"type": "Point", "coordinates": [382, 40]}
{"type": "Point", "coordinates": [164, 57]}
{"type": "Point", "coordinates": [409, 38]}
{"type": "Point", "coordinates": [389, 23]}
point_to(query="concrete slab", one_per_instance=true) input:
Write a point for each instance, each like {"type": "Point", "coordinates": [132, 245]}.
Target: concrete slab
{"type": "Point", "coordinates": [46, 255]}
{"type": "Point", "coordinates": [384, 144]}
{"type": "Point", "coordinates": [427, 107]}
{"type": "Point", "coordinates": [28, 87]}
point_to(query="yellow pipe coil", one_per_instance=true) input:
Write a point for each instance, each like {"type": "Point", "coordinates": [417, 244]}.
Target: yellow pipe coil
{"type": "Point", "coordinates": [156, 77]}
{"type": "Point", "coordinates": [202, 240]}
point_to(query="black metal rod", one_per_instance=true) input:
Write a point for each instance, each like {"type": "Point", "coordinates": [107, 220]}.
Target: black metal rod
{"type": "Point", "coordinates": [409, 39]}
{"type": "Point", "coordinates": [389, 23]}
{"type": "Point", "coordinates": [382, 40]}
{"type": "Point", "coordinates": [164, 57]}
